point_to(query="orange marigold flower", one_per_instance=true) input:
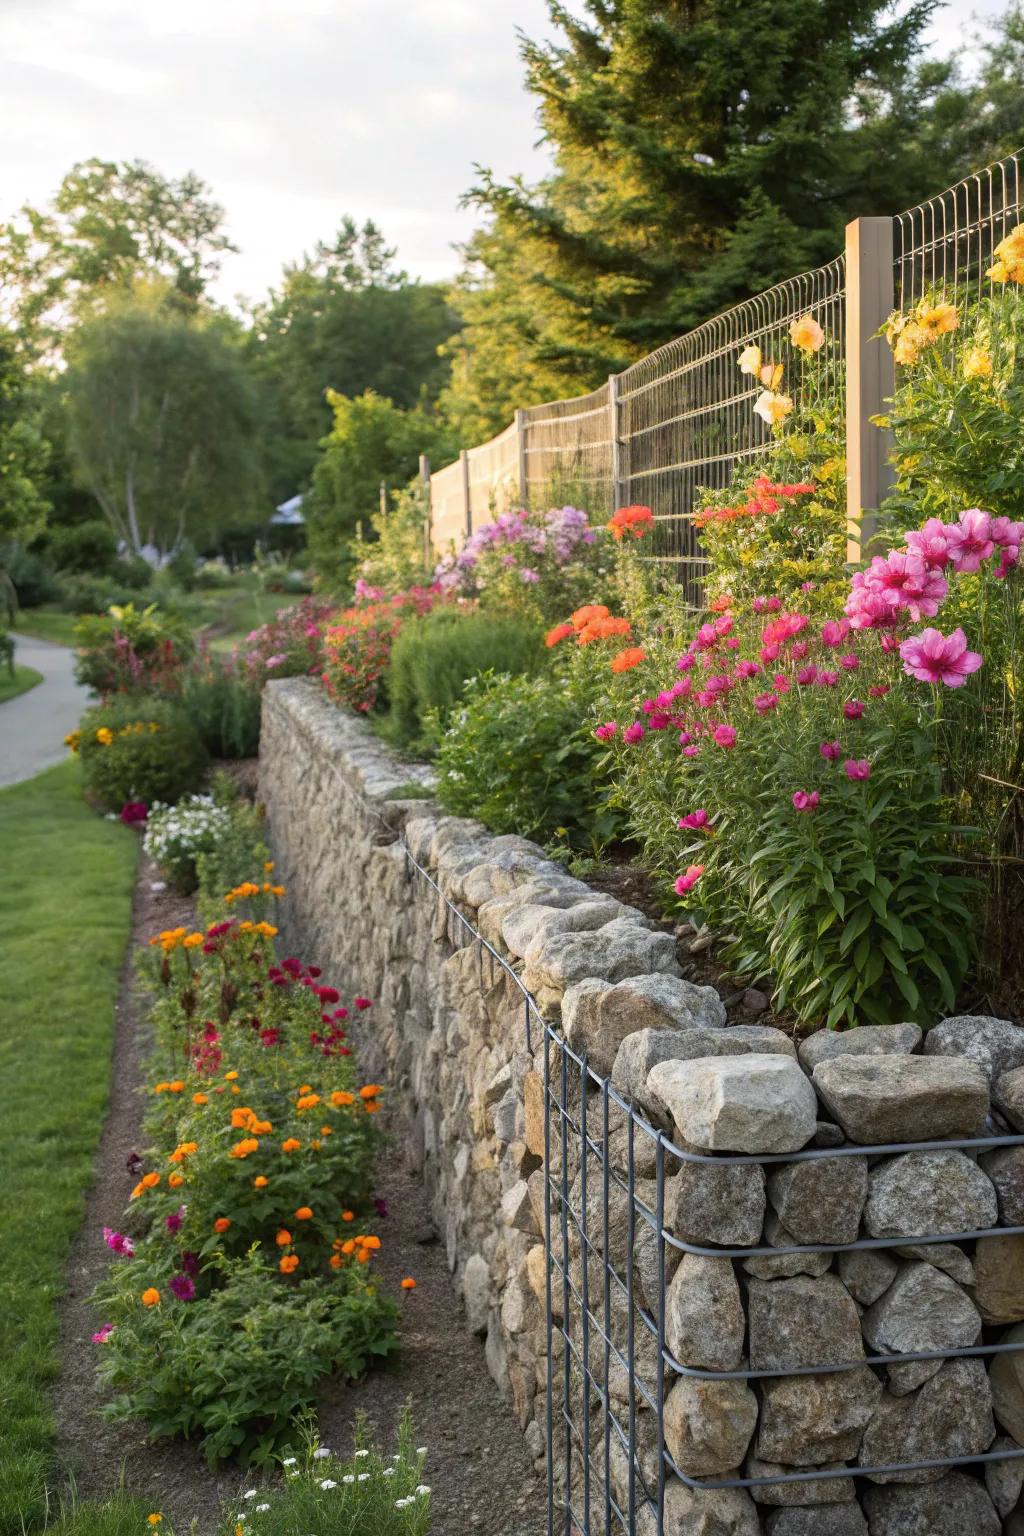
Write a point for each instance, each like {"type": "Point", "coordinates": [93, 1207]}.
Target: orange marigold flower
{"type": "Point", "coordinates": [221, 1224]}
{"type": "Point", "coordinates": [268, 866]}
{"type": "Point", "coordinates": [193, 940]}
{"type": "Point", "coordinates": [373, 1243]}
{"type": "Point", "coordinates": [408, 1284]}
{"type": "Point", "coordinates": [304, 1213]}
{"type": "Point", "coordinates": [603, 629]}
{"type": "Point", "coordinates": [150, 1297]}
{"type": "Point", "coordinates": [305, 1088]}
{"type": "Point", "coordinates": [632, 656]}
{"type": "Point", "coordinates": [266, 929]}
{"type": "Point", "coordinates": [283, 1237]}
{"type": "Point", "coordinates": [261, 1127]}
{"type": "Point", "coordinates": [635, 520]}
{"type": "Point", "coordinates": [340, 1099]}
{"type": "Point", "coordinates": [289, 1262]}
{"type": "Point", "coordinates": [291, 1145]}
{"type": "Point", "coordinates": [175, 1180]}
{"type": "Point", "coordinates": [260, 1182]}
{"type": "Point", "coordinates": [348, 1215]}
{"type": "Point", "coordinates": [161, 1087]}
{"type": "Point", "coordinates": [307, 1101]}
{"type": "Point", "coordinates": [200, 1098]}
{"type": "Point", "coordinates": [176, 1087]}
{"type": "Point", "coordinates": [372, 1107]}
{"type": "Point", "coordinates": [349, 1247]}
{"type": "Point", "coordinates": [362, 1257]}
{"type": "Point", "coordinates": [241, 1118]}
{"type": "Point", "coordinates": [557, 635]}
{"type": "Point", "coordinates": [584, 616]}
{"type": "Point", "coordinates": [182, 1150]}
{"type": "Point", "coordinates": [335, 1261]}
{"type": "Point", "coordinates": [137, 1191]}
{"type": "Point", "coordinates": [370, 1091]}
{"type": "Point", "coordinates": [325, 1130]}
{"type": "Point", "coordinates": [230, 1077]}
{"type": "Point", "coordinates": [277, 890]}
{"type": "Point", "coordinates": [150, 1180]}
{"type": "Point", "coordinates": [245, 1146]}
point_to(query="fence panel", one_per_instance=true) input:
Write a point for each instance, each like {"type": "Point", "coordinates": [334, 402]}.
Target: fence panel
{"type": "Point", "coordinates": [568, 450]}
{"type": "Point", "coordinates": [493, 476]}
{"type": "Point", "coordinates": [447, 506]}
{"type": "Point", "coordinates": [946, 244]}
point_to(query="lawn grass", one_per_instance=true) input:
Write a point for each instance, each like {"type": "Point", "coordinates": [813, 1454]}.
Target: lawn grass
{"type": "Point", "coordinates": [65, 921]}
{"type": "Point", "coordinates": [46, 624]}
{"type": "Point", "coordinates": [24, 678]}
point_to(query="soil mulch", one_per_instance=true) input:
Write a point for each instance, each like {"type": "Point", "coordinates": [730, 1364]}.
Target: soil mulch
{"type": "Point", "coordinates": [478, 1466]}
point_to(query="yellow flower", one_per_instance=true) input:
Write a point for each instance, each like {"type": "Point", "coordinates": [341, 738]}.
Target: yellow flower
{"type": "Point", "coordinates": [104, 736]}
{"type": "Point", "coordinates": [154, 1519]}
{"type": "Point", "coordinates": [771, 375]}
{"type": "Point", "coordinates": [750, 361]}
{"type": "Point", "coordinates": [977, 363]}
{"type": "Point", "coordinates": [772, 407]}
{"type": "Point", "coordinates": [1009, 264]}
{"type": "Point", "coordinates": [267, 929]}
{"type": "Point", "coordinates": [909, 343]}
{"type": "Point", "coordinates": [807, 334]}
{"type": "Point", "coordinates": [193, 940]}
{"type": "Point", "coordinates": [937, 319]}
{"type": "Point", "coordinates": [150, 1297]}
{"type": "Point", "coordinates": [72, 740]}
{"type": "Point", "coordinates": [999, 272]}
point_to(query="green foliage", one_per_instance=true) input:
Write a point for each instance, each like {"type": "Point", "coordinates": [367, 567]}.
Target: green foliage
{"type": "Point", "coordinates": [371, 440]}
{"type": "Point", "coordinates": [177, 835]}
{"type": "Point", "coordinates": [237, 853]}
{"type": "Point", "coordinates": [24, 453]}
{"type": "Point", "coordinates": [236, 1369]}
{"type": "Point", "coordinates": [519, 755]}
{"type": "Point", "coordinates": [224, 705]}
{"type": "Point", "coordinates": [129, 649]}
{"type": "Point", "coordinates": [162, 421]}
{"type": "Point", "coordinates": [90, 547]}
{"type": "Point", "coordinates": [434, 656]}
{"type": "Point", "coordinates": [395, 556]}
{"type": "Point", "coordinates": [33, 577]}
{"type": "Point", "coordinates": [67, 890]}
{"type": "Point", "coordinates": [153, 751]}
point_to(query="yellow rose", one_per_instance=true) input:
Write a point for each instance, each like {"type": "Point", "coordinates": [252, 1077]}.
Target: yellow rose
{"type": "Point", "coordinates": [771, 375]}
{"type": "Point", "coordinates": [909, 343]}
{"type": "Point", "coordinates": [772, 407]}
{"type": "Point", "coordinates": [807, 334]}
{"type": "Point", "coordinates": [750, 361]}
{"type": "Point", "coordinates": [999, 272]}
{"type": "Point", "coordinates": [977, 363]}
{"type": "Point", "coordinates": [937, 319]}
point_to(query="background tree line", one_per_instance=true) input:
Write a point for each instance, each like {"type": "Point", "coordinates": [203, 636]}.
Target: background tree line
{"type": "Point", "coordinates": [701, 150]}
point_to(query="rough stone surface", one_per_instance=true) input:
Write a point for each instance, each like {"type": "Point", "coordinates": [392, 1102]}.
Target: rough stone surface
{"type": "Point", "coordinates": [1008, 1095]}
{"type": "Point", "coordinates": [867, 1040]}
{"type": "Point", "coordinates": [476, 1292]}
{"type": "Point", "coordinates": [882, 1099]}
{"type": "Point", "coordinates": [802, 1322]}
{"type": "Point", "coordinates": [948, 1257]}
{"type": "Point", "coordinates": [723, 1203]}
{"type": "Point", "coordinates": [641, 1051]}
{"type": "Point", "coordinates": [524, 924]}
{"type": "Point", "coordinates": [811, 1420]}
{"type": "Point", "coordinates": [820, 1201]}
{"type": "Point", "coordinates": [1006, 1170]}
{"type": "Point", "coordinates": [704, 1318]}
{"type": "Point", "coordinates": [1006, 1379]}
{"type": "Point", "coordinates": [867, 1273]}
{"type": "Point", "coordinates": [768, 1267]}
{"type": "Point", "coordinates": [922, 1310]}
{"type": "Point", "coordinates": [622, 948]}
{"type": "Point", "coordinates": [999, 1278]}
{"type": "Point", "coordinates": [708, 1424]}
{"type": "Point", "coordinates": [820, 1520]}
{"type": "Point", "coordinates": [825, 1490]}
{"type": "Point", "coordinates": [753, 1103]}
{"type": "Point", "coordinates": [951, 1415]}
{"type": "Point", "coordinates": [995, 1044]}
{"type": "Point", "coordinates": [709, 1512]}
{"type": "Point", "coordinates": [956, 1505]}
{"type": "Point", "coordinates": [923, 1192]}
{"type": "Point", "coordinates": [597, 1015]}
{"type": "Point", "coordinates": [1005, 1479]}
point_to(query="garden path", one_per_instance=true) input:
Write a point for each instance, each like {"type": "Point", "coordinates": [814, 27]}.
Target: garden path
{"type": "Point", "coordinates": [33, 726]}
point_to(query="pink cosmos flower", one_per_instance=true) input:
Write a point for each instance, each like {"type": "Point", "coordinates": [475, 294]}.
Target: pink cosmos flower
{"type": "Point", "coordinates": [104, 1334]}
{"type": "Point", "coordinates": [828, 679]}
{"type": "Point", "coordinates": [725, 736]}
{"type": "Point", "coordinates": [970, 540]}
{"type": "Point", "coordinates": [798, 650]}
{"type": "Point", "coordinates": [686, 882]}
{"type": "Point", "coordinates": [1006, 534]}
{"type": "Point", "coordinates": [850, 662]}
{"type": "Point", "coordinates": [853, 709]}
{"type": "Point", "coordinates": [932, 657]}
{"type": "Point", "coordinates": [694, 819]}
{"type": "Point", "coordinates": [1008, 558]}
{"type": "Point", "coordinates": [746, 669]}
{"type": "Point", "coordinates": [834, 632]}
{"type": "Point", "coordinates": [634, 732]}
{"type": "Point", "coordinates": [930, 543]}
{"type": "Point", "coordinates": [857, 768]}
{"type": "Point", "coordinates": [607, 731]}
{"type": "Point", "coordinates": [831, 750]}
{"type": "Point", "coordinates": [804, 801]}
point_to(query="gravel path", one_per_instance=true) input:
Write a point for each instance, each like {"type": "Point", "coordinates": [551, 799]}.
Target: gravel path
{"type": "Point", "coordinates": [478, 1466]}
{"type": "Point", "coordinates": [33, 726]}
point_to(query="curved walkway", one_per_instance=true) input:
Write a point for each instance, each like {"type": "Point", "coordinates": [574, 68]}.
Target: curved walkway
{"type": "Point", "coordinates": [33, 726]}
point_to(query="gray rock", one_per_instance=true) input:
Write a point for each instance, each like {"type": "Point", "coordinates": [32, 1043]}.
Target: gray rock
{"type": "Point", "coordinates": [1006, 1379]}
{"type": "Point", "coordinates": [866, 1040]}
{"type": "Point", "coordinates": [999, 1278]}
{"type": "Point", "coordinates": [762, 1039]}
{"type": "Point", "coordinates": [951, 1415]}
{"type": "Point", "coordinates": [945, 1256]}
{"type": "Point", "coordinates": [1005, 1479]}
{"type": "Point", "coordinates": [802, 1322]}
{"type": "Point", "coordinates": [867, 1273]}
{"type": "Point", "coordinates": [518, 1211]}
{"type": "Point", "coordinates": [598, 1016]}
{"type": "Point", "coordinates": [820, 1201]}
{"type": "Point", "coordinates": [1006, 1170]}
{"type": "Point", "coordinates": [754, 1001]}
{"type": "Point", "coordinates": [709, 1511]}
{"type": "Point", "coordinates": [709, 1202]}
{"type": "Point", "coordinates": [708, 1424]}
{"type": "Point", "coordinates": [1008, 1095]}
{"type": "Point", "coordinates": [922, 1310]}
{"type": "Point", "coordinates": [995, 1044]}
{"type": "Point", "coordinates": [620, 949]}
{"type": "Point", "coordinates": [828, 1135]}
{"type": "Point", "coordinates": [786, 1265]}
{"type": "Point", "coordinates": [704, 1318]}
{"type": "Point", "coordinates": [524, 924]}
{"type": "Point", "coordinates": [825, 1490]}
{"type": "Point", "coordinates": [924, 1192]}
{"type": "Point", "coordinates": [956, 1505]}
{"type": "Point", "coordinates": [882, 1099]}
{"type": "Point", "coordinates": [811, 1420]}
{"type": "Point", "coordinates": [476, 1292]}
{"type": "Point", "coordinates": [753, 1103]}
{"type": "Point", "coordinates": [822, 1520]}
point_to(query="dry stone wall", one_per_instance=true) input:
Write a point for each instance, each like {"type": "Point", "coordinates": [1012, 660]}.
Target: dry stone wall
{"type": "Point", "coordinates": [794, 1321]}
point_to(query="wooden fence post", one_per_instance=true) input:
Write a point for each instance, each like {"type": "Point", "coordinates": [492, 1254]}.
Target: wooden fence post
{"type": "Point", "coordinates": [466, 498]}
{"type": "Point", "coordinates": [428, 541]}
{"type": "Point", "coordinates": [523, 470]}
{"type": "Point", "coordinates": [383, 498]}
{"type": "Point", "coordinates": [618, 496]}
{"type": "Point", "coordinates": [870, 375]}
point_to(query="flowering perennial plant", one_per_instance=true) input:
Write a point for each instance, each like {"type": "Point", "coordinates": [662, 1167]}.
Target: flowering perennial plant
{"type": "Point", "coordinates": [525, 560]}
{"type": "Point", "coordinates": [289, 645]}
{"type": "Point", "coordinates": [357, 645]}
{"type": "Point", "coordinates": [176, 835]}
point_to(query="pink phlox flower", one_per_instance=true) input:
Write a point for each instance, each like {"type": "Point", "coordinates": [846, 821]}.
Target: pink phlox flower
{"type": "Point", "coordinates": [932, 657]}
{"type": "Point", "coordinates": [694, 820]}
{"type": "Point", "coordinates": [103, 1334]}
{"type": "Point", "coordinates": [634, 732]}
{"type": "Point", "coordinates": [970, 540]}
{"type": "Point", "coordinates": [857, 768]}
{"type": "Point", "coordinates": [831, 750]}
{"type": "Point", "coordinates": [686, 882]}
{"type": "Point", "coordinates": [806, 801]}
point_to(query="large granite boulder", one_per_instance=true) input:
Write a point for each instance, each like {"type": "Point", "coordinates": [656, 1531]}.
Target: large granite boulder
{"type": "Point", "coordinates": [883, 1099]}
{"type": "Point", "coordinates": [754, 1103]}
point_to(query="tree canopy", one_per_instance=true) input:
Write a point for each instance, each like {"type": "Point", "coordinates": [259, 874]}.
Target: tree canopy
{"type": "Point", "coordinates": [23, 447]}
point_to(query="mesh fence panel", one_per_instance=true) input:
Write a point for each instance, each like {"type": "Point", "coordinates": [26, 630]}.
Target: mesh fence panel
{"type": "Point", "coordinates": [494, 476]}
{"type": "Point", "coordinates": [447, 507]}
{"type": "Point", "coordinates": [946, 244]}
{"type": "Point", "coordinates": [568, 445]}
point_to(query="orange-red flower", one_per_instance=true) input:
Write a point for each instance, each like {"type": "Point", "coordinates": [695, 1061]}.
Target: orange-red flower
{"type": "Point", "coordinates": [632, 656]}
{"type": "Point", "coordinates": [635, 520]}
{"type": "Point", "coordinates": [288, 1263]}
{"type": "Point", "coordinates": [603, 629]}
{"type": "Point", "coordinates": [291, 1145]}
{"type": "Point", "coordinates": [304, 1213]}
{"type": "Point", "coordinates": [408, 1284]}
{"type": "Point", "coordinates": [584, 616]}
{"type": "Point", "coordinates": [150, 1297]}
{"type": "Point", "coordinates": [559, 633]}
{"type": "Point", "coordinates": [283, 1238]}
{"type": "Point", "coordinates": [221, 1224]}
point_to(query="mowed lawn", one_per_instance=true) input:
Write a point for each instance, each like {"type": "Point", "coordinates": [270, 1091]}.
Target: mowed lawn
{"type": "Point", "coordinates": [66, 879]}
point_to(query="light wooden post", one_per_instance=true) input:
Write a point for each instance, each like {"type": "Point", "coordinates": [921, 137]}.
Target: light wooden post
{"type": "Point", "coordinates": [870, 376]}
{"type": "Point", "coordinates": [523, 470]}
{"type": "Point", "coordinates": [618, 479]}
{"type": "Point", "coordinates": [428, 541]}
{"type": "Point", "coordinates": [383, 498]}
{"type": "Point", "coordinates": [466, 501]}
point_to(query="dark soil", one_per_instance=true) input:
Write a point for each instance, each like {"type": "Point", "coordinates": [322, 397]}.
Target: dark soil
{"type": "Point", "coordinates": [477, 1465]}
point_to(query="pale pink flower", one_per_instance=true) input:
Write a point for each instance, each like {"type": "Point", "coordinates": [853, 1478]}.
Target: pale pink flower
{"type": "Point", "coordinates": [932, 657]}
{"type": "Point", "coordinates": [970, 540]}
{"type": "Point", "coordinates": [930, 542]}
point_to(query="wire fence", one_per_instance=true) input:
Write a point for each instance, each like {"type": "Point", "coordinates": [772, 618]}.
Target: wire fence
{"type": "Point", "coordinates": [682, 419]}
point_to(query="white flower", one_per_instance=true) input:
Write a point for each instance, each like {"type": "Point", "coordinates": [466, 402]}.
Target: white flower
{"type": "Point", "coordinates": [261, 1507]}
{"type": "Point", "coordinates": [320, 1452]}
{"type": "Point", "coordinates": [289, 1461]}
{"type": "Point", "coordinates": [348, 1478]}
{"type": "Point", "coordinates": [422, 1488]}
{"type": "Point", "coordinates": [389, 1472]}
{"type": "Point", "coordinates": [328, 1482]}
{"type": "Point", "coordinates": [362, 1453]}
{"type": "Point", "coordinates": [364, 1477]}
{"type": "Point", "coordinates": [402, 1503]}
{"type": "Point", "coordinates": [250, 1493]}
{"type": "Point", "coordinates": [158, 885]}
{"type": "Point", "coordinates": [421, 1450]}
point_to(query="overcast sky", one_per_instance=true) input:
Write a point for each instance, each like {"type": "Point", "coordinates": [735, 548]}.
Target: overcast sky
{"type": "Point", "coordinates": [294, 111]}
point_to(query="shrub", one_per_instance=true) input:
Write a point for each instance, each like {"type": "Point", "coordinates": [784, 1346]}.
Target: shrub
{"type": "Point", "coordinates": [357, 647]}
{"type": "Point", "coordinates": [33, 578]}
{"type": "Point", "coordinates": [394, 558]}
{"type": "Point", "coordinates": [518, 755]}
{"type": "Point", "coordinates": [432, 657]}
{"type": "Point", "coordinates": [238, 850]}
{"type": "Point", "coordinates": [223, 701]}
{"type": "Point", "coordinates": [177, 835]}
{"type": "Point", "coordinates": [289, 645]}
{"type": "Point", "coordinates": [137, 748]}
{"type": "Point", "coordinates": [89, 547]}
{"type": "Point", "coordinates": [129, 649]}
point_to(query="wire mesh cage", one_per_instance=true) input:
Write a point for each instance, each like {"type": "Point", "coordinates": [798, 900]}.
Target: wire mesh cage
{"type": "Point", "coordinates": [945, 245]}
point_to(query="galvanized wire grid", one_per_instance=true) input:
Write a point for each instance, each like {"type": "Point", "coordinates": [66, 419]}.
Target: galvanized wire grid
{"type": "Point", "coordinates": [605, 1477]}
{"type": "Point", "coordinates": [687, 412]}
{"type": "Point", "coordinates": [568, 445]}
{"type": "Point", "coordinates": [945, 245]}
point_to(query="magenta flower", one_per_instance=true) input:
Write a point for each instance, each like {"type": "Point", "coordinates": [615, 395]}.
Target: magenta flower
{"type": "Point", "coordinates": [798, 650]}
{"type": "Point", "coordinates": [850, 662]}
{"type": "Point", "coordinates": [930, 543]}
{"type": "Point", "coordinates": [633, 732]}
{"type": "Point", "coordinates": [182, 1286]}
{"type": "Point", "coordinates": [174, 1220]}
{"type": "Point", "coordinates": [685, 662]}
{"type": "Point", "coordinates": [831, 750]}
{"type": "Point", "coordinates": [878, 690]}
{"type": "Point", "coordinates": [746, 669]}
{"type": "Point", "coordinates": [1005, 533]}
{"type": "Point", "coordinates": [1008, 558]}
{"type": "Point", "coordinates": [804, 801]}
{"type": "Point", "coordinates": [659, 720]}
{"type": "Point", "coordinates": [763, 703]}
{"type": "Point", "coordinates": [134, 811]}
{"type": "Point", "coordinates": [607, 731]}
{"type": "Point", "coordinates": [691, 751]}
{"type": "Point", "coordinates": [834, 632]}
{"type": "Point", "coordinates": [932, 657]}
{"type": "Point", "coordinates": [695, 819]}
{"type": "Point", "coordinates": [104, 1334]}
{"type": "Point", "coordinates": [970, 540]}
{"type": "Point", "coordinates": [857, 768]}
{"type": "Point", "coordinates": [686, 882]}
{"type": "Point", "coordinates": [118, 1243]}
{"type": "Point", "coordinates": [853, 709]}
{"type": "Point", "coordinates": [806, 675]}
{"type": "Point", "coordinates": [828, 679]}
{"type": "Point", "coordinates": [725, 736]}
